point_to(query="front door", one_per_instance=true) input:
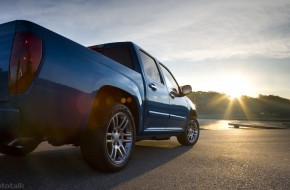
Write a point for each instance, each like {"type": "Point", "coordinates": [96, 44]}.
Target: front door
{"type": "Point", "coordinates": [178, 110]}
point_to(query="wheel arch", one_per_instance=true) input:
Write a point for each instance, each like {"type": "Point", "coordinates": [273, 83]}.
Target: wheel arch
{"type": "Point", "coordinates": [193, 113]}
{"type": "Point", "coordinates": [108, 95]}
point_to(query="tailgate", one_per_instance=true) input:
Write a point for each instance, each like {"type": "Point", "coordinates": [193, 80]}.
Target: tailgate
{"type": "Point", "coordinates": [7, 31]}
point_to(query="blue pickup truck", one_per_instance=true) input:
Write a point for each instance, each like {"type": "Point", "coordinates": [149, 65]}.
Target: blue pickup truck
{"type": "Point", "coordinates": [102, 98]}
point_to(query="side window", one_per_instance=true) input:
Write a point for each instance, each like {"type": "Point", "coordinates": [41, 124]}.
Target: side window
{"type": "Point", "coordinates": [170, 81]}
{"type": "Point", "coordinates": [120, 54]}
{"type": "Point", "coordinates": [150, 67]}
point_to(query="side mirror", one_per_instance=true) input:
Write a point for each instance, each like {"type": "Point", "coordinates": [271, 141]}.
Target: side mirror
{"type": "Point", "coordinates": [186, 89]}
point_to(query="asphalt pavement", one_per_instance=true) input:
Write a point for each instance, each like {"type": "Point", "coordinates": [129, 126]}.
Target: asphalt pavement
{"type": "Point", "coordinates": [223, 158]}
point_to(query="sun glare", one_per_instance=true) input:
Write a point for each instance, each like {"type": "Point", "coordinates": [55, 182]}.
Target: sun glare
{"type": "Point", "coordinates": [235, 86]}
{"type": "Point", "coordinates": [234, 96]}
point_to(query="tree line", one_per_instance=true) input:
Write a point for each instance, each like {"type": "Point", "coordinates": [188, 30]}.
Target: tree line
{"type": "Point", "coordinates": [219, 105]}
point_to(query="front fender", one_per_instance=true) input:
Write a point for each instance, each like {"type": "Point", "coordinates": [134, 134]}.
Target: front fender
{"type": "Point", "coordinates": [191, 107]}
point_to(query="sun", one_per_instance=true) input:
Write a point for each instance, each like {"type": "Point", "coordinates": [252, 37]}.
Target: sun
{"type": "Point", "coordinates": [235, 86]}
{"type": "Point", "coordinates": [234, 96]}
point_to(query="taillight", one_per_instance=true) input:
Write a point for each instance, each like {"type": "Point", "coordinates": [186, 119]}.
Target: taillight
{"type": "Point", "coordinates": [24, 62]}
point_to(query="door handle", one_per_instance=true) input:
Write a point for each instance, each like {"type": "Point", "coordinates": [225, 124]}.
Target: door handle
{"type": "Point", "coordinates": [172, 94]}
{"type": "Point", "coordinates": [152, 86]}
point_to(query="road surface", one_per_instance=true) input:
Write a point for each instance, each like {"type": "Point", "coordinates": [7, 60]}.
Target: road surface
{"type": "Point", "coordinates": [226, 158]}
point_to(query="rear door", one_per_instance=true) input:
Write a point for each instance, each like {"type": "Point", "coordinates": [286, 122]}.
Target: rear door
{"type": "Point", "coordinates": [157, 99]}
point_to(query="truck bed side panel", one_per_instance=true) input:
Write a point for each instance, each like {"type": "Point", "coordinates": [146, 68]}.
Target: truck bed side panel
{"type": "Point", "coordinates": [6, 41]}
{"type": "Point", "coordinates": [60, 99]}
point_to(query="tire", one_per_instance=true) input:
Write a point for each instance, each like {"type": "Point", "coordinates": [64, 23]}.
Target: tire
{"type": "Point", "coordinates": [107, 145]}
{"type": "Point", "coordinates": [190, 136]}
{"type": "Point", "coordinates": [19, 147]}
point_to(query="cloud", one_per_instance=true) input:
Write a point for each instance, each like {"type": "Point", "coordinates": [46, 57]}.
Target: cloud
{"type": "Point", "coordinates": [233, 30]}
{"type": "Point", "coordinates": [211, 37]}
{"type": "Point", "coordinates": [193, 30]}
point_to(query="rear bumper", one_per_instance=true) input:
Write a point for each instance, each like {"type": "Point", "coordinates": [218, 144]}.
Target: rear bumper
{"type": "Point", "coordinates": [9, 121]}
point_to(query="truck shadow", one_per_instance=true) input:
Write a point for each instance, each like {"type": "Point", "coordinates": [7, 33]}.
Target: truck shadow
{"type": "Point", "coordinates": [66, 169]}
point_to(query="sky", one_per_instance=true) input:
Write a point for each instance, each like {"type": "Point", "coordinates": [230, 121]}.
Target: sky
{"type": "Point", "coordinates": [239, 47]}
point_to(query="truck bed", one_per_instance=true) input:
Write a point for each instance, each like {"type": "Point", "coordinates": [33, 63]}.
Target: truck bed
{"type": "Point", "coordinates": [63, 90]}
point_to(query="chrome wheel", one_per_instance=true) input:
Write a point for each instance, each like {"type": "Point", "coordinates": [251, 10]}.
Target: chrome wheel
{"type": "Point", "coordinates": [108, 142]}
{"type": "Point", "coordinates": [119, 138]}
{"type": "Point", "coordinates": [192, 131]}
